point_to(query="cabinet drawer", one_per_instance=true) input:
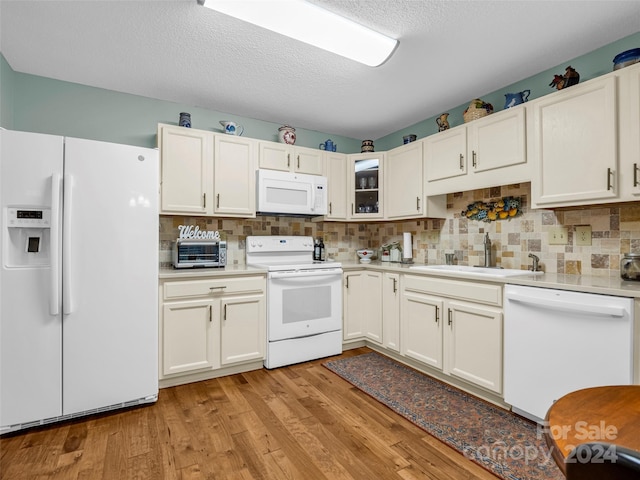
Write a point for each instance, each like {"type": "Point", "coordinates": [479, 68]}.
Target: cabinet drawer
{"type": "Point", "coordinates": [206, 287]}
{"type": "Point", "coordinates": [465, 290]}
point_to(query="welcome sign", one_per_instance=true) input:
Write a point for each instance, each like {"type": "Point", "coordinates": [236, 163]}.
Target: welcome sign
{"type": "Point", "coordinates": [189, 231]}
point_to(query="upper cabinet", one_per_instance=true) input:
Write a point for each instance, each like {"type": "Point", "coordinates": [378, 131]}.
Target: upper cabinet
{"type": "Point", "coordinates": [289, 158]}
{"type": "Point", "coordinates": [629, 132]}
{"type": "Point", "coordinates": [366, 178]}
{"type": "Point", "coordinates": [446, 154]}
{"type": "Point", "coordinates": [403, 182]}
{"type": "Point", "coordinates": [234, 176]}
{"type": "Point", "coordinates": [483, 153]}
{"type": "Point", "coordinates": [575, 145]}
{"type": "Point", "coordinates": [186, 168]}
{"type": "Point", "coordinates": [203, 173]}
{"type": "Point", "coordinates": [335, 169]}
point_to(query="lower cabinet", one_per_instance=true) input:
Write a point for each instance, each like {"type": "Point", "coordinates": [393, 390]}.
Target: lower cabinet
{"type": "Point", "coordinates": [391, 311]}
{"type": "Point", "coordinates": [473, 342]}
{"type": "Point", "coordinates": [362, 305]}
{"type": "Point", "coordinates": [211, 323]}
{"type": "Point", "coordinates": [187, 338]}
{"type": "Point", "coordinates": [458, 337]}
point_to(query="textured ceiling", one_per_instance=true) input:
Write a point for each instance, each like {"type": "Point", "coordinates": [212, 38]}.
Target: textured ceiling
{"type": "Point", "coordinates": [449, 51]}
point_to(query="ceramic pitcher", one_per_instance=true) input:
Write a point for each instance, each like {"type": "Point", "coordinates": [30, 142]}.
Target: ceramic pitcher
{"type": "Point", "coordinates": [513, 99]}
{"type": "Point", "coordinates": [232, 128]}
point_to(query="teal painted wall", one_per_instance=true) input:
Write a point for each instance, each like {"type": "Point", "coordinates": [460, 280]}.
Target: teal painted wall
{"type": "Point", "coordinates": [589, 66]}
{"type": "Point", "coordinates": [51, 106]}
{"type": "Point", "coordinates": [40, 104]}
{"type": "Point", "coordinates": [6, 94]}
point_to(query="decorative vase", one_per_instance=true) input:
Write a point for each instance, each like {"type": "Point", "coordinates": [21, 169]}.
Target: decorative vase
{"type": "Point", "coordinates": [185, 120]}
{"type": "Point", "coordinates": [287, 134]}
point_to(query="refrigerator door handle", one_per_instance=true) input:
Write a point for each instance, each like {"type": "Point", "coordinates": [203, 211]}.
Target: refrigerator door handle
{"type": "Point", "coordinates": [54, 285]}
{"type": "Point", "coordinates": [67, 299]}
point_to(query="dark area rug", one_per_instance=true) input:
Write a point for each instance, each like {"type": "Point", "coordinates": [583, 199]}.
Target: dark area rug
{"type": "Point", "coordinates": [507, 445]}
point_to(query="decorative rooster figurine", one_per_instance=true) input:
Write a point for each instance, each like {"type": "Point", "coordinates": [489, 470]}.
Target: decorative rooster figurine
{"type": "Point", "coordinates": [570, 77]}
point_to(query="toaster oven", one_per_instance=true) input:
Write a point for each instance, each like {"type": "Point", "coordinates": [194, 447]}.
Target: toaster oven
{"type": "Point", "coordinates": [192, 253]}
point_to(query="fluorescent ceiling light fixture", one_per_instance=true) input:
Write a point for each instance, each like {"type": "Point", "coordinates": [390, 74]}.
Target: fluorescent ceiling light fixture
{"type": "Point", "coordinates": [311, 24]}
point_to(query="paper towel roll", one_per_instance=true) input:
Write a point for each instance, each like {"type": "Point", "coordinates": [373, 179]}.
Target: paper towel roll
{"type": "Point", "coordinates": [407, 247]}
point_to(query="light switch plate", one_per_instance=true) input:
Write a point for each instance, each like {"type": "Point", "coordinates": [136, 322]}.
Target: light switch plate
{"type": "Point", "coordinates": [558, 236]}
{"type": "Point", "coordinates": [583, 235]}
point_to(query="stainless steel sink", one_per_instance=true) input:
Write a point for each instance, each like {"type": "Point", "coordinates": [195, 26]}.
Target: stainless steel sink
{"type": "Point", "coordinates": [479, 271]}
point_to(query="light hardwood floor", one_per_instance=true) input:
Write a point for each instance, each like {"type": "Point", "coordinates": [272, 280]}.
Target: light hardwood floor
{"type": "Point", "coordinates": [300, 422]}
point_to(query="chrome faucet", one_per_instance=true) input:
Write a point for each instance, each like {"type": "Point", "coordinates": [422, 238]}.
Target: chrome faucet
{"type": "Point", "coordinates": [534, 267]}
{"type": "Point", "coordinates": [487, 250]}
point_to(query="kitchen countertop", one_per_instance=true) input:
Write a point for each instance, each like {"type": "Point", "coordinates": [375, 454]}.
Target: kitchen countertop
{"type": "Point", "coordinates": [177, 273]}
{"type": "Point", "coordinates": [610, 285]}
{"type": "Point", "coordinates": [613, 285]}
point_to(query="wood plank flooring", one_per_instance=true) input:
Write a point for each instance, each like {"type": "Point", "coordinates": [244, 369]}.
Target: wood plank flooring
{"type": "Point", "coordinates": [296, 422]}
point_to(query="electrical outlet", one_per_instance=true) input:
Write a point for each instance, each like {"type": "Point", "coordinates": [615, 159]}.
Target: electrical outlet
{"type": "Point", "coordinates": [558, 236]}
{"type": "Point", "coordinates": [583, 235]}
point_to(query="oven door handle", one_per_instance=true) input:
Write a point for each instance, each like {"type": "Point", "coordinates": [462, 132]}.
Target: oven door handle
{"type": "Point", "coordinates": [306, 273]}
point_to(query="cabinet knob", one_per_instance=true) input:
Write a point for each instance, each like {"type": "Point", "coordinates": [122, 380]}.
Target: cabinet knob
{"type": "Point", "coordinates": [609, 174]}
{"type": "Point", "coordinates": [461, 162]}
{"type": "Point", "coordinates": [473, 159]}
{"type": "Point", "coordinates": [635, 174]}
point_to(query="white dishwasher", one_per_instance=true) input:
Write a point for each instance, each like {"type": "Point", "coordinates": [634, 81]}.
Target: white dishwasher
{"type": "Point", "coordinates": [557, 341]}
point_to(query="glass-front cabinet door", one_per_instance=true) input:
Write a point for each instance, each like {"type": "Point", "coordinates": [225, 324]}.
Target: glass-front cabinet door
{"type": "Point", "coordinates": [366, 185]}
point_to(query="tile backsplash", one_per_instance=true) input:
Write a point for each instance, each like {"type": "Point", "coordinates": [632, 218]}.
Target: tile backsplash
{"type": "Point", "coordinates": [615, 231]}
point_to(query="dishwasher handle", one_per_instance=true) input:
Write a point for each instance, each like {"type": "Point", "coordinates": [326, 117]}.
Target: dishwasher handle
{"type": "Point", "coordinates": [561, 305]}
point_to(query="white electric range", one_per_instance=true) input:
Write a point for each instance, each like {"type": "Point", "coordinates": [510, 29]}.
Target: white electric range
{"type": "Point", "coordinates": [304, 299]}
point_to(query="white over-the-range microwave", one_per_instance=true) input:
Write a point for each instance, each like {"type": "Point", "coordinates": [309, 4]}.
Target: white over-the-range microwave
{"type": "Point", "coordinates": [290, 193]}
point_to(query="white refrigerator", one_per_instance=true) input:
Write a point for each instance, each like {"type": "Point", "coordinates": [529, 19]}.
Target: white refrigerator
{"type": "Point", "coordinates": [79, 278]}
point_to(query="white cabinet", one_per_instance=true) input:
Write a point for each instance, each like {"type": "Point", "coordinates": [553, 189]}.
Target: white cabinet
{"type": "Point", "coordinates": [391, 311]}
{"type": "Point", "coordinates": [335, 165]}
{"type": "Point", "coordinates": [242, 332]}
{"type": "Point", "coordinates": [421, 327]}
{"type": "Point", "coordinates": [289, 158]}
{"type": "Point", "coordinates": [210, 323]}
{"type": "Point", "coordinates": [575, 145]}
{"type": "Point", "coordinates": [362, 305]}
{"type": "Point", "coordinates": [445, 154]}
{"type": "Point", "coordinates": [474, 344]}
{"type": "Point", "coordinates": [203, 173]}
{"type": "Point", "coordinates": [366, 179]}
{"type": "Point", "coordinates": [496, 142]}
{"type": "Point", "coordinates": [629, 101]}
{"type": "Point", "coordinates": [483, 153]}
{"type": "Point", "coordinates": [403, 182]}
{"type": "Point", "coordinates": [234, 176]}
{"type": "Point", "coordinates": [443, 329]}
{"type": "Point", "coordinates": [188, 339]}
{"type": "Point", "coordinates": [186, 157]}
